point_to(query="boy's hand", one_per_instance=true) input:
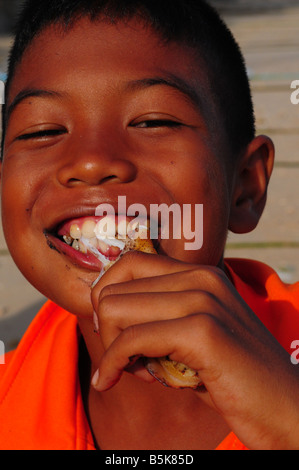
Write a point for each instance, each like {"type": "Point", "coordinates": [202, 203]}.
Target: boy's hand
{"type": "Point", "coordinates": [154, 306]}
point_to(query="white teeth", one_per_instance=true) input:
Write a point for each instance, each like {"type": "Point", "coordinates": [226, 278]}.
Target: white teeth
{"type": "Point", "coordinates": [88, 229]}
{"type": "Point", "coordinates": [67, 239]}
{"type": "Point", "coordinates": [76, 245]}
{"type": "Point", "coordinates": [105, 231]}
{"type": "Point", "coordinates": [105, 234]}
{"type": "Point", "coordinates": [92, 249]}
{"type": "Point", "coordinates": [105, 228]}
{"type": "Point", "coordinates": [75, 232]}
{"type": "Point", "coordinates": [82, 247]}
{"type": "Point", "coordinates": [122, 228]}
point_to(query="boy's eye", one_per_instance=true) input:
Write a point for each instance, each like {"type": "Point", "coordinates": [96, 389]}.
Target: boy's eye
{"type": "Point", "coordinates": [42, 133]}
{"type": "Point", "coordinates": [156, 123]}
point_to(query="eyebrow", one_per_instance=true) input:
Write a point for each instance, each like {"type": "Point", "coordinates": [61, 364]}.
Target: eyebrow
{"type": "Point", "coordinates": [29, 93]}
{"type": "Point", "coordinates": [172, 81]}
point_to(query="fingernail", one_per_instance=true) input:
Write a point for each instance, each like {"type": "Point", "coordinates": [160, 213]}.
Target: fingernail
{"type": "Point", "coordinates": [95, 379]}
{"type": "Point", "coordinates": [96, 323]}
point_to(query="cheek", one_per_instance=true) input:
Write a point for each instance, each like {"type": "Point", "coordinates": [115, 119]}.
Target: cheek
{"type": "Point", "coordinates": [15, 201]}
{"type": "Point", "coordinates": [23, 181]}
{"type": "Point", "coordinates": [199, 182]}
{"type": "Point", "coordinates": [16, 181]}
{"type": "Point", "coordinates": [16, 204]}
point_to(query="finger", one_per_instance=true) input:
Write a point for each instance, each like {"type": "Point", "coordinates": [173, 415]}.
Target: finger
{"type": "Point", "coordinates": [158, 339]}
{"type": "Point", "coordinates": [136, 265]}
{"type": "Point", "coordinates": [178, 281]}
{"type": "Point", "coordinates": [117, 312]}
{"type": "Point", "coordinates": [127, 345]}
{"type": "Point", "coordinates": [152, 273]}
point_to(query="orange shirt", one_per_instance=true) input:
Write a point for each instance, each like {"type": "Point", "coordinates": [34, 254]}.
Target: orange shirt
{"type": "Point", "coordinates": [41, 405]}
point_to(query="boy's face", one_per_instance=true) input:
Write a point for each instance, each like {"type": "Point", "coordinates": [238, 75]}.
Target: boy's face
{"type": "Point", "coordinates": [106, 111]}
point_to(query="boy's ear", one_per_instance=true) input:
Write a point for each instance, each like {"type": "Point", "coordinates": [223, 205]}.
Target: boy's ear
{"type": "Point", "coordinates": [250, 186]}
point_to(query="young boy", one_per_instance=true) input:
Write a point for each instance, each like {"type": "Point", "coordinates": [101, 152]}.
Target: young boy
{"type": "Point", "coordinates": [149, 101]}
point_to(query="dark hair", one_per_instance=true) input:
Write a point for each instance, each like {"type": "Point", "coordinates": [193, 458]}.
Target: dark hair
{"type": "Point", "coordinates": [192, 22]}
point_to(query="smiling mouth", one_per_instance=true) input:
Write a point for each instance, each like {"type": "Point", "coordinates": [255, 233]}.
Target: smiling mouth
{"type": "Point", "coordinates": [94, 242]}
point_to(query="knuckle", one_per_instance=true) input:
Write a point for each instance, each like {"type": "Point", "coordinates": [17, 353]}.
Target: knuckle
{"type": "Point", "coordinates": [203, 321]}
{"type": "Point", "coordinates": [205, 326]}
{"type": "Point", "coordinates": [210, 274]}
{"type": "Point", "coordinates": [214, 273]}
{"type": "Point", "coordinates": [203, 298]}
{"type": "Point", "coordinates": [106, 292]}
{"type": "Point", "coordinates": [196, 275]}
{"type": "Point", "coordinates": [208, 324]}
{"type": "Point", "coordinates": [217, 274]}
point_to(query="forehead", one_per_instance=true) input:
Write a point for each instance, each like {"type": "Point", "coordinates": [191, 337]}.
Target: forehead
{"type": "Point", "coordinates": [96, 49]}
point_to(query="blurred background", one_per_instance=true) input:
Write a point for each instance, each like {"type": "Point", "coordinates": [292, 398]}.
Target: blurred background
{"type": "Point", "coordinates": [268, 33]}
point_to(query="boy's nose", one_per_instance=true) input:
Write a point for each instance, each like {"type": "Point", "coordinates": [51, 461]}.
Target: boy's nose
{"type": "Point", "coordinates": [95, 167]}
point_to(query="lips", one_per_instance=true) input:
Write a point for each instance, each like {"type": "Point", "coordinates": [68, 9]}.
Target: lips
{"type": "Point", "coordinates": [93, 242]}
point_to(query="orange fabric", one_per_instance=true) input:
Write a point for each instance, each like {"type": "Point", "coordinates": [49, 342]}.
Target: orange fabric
{"type": "Point", "coordinates": [275, 303]}
{"type": "Point", "coordinates": [231, 442]}
{"type": "Point", "coordinates": [40, 398]}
